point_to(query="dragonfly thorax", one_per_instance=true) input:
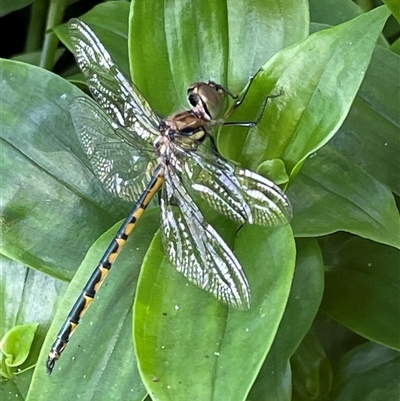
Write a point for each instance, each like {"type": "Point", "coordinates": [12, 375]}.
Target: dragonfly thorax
{"type": "Point", "coordinates": [185, 129]}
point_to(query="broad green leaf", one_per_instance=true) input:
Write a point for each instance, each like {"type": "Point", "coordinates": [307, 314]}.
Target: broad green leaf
{"type": "Point", "coordinates": [102, 344]}
{"type": "Point", "coordinates": [178, 52]}
{"type": "Point", "coordinates": [332, 194]}
{"type": "Point", "coordinates": [166, 43]}
{"type": "Point", "coordinates": [333, 12]}
{"type": "Point", "coordinates": [190, 346]}
{"type": "Point", "coordinates": [8, 6]}
{"type": "Point", "coordinates": [264, 31]}
{"type": "Point", "coordinates": [109, 21]}
{"type": "Point", "coordinates": [330, 66]}
{"type": "Point", "coordinates": [312, 372]}
{"type": "Point", "coordinates": [395, 47]}
{"type": "Point", "coordinates": [34, 57]}
{"type": "Point", "coordinates": [394, 7]}
{"type": "Point", "coordinates": [369, 137]}
{"type": "Point", "coordinates": [26, 296]}
{"type": "Point", "coordinates": [337, 339]}
{"type": "Point", "coordinates": [362, 290]}
{"type": "Point", "coordinates": [271, 384]}
{"type": "Point", "coordinates": [10, 390]}
{"type": "Point", "coordinates": [55, 233]}
{"type": "Point", "coordinates": [274, 379]}
{"type": "Point", "coordinates": [369, 372]}
{"type": "Point", "coordinates": [52, 207]}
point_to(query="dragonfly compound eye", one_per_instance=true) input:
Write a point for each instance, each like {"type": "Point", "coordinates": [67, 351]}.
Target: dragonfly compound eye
{"type": "Point", "coordinates": [206, 101]}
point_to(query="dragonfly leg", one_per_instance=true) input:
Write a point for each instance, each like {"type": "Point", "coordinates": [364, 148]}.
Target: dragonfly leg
{"type": "Point", "coordinates": [239, 101]}
{"type": "Point", "coordinates": [251, 124]}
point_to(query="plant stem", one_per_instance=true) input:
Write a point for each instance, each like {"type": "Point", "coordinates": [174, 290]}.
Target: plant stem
{"type": "Point", "coordinates": [54, 17]}
{"type": "Point", "coordinates": [34, 37]}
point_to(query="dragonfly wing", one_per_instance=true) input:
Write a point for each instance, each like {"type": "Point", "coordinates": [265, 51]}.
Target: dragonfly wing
{"type": "Point", "coordinates": [197, 250]}
{"type": "Point", "coordinates": [217, 185]}
{"type": "Point", "coordinates": [239, 194]}
{"type": "Point", "coordinates": [118, 164]}
{"type": "Point", "coordinates": [118, 97]}
{"type": "Point", "coordinates": [269, 204]}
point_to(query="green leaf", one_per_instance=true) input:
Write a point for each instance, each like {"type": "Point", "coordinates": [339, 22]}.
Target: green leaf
{"type": "Point", "coordinates": [190, 346]}
{"type": "Point", "coordinates": [22, 290]}
{"type": "Point", "coordinates": [34, 57]}
{"type": "Point", "coordinates": [177, 53]}
{"type": "Point", "coordinates": [330, 66]}
{"type": "Point", "coordinates": [362, 290]}
{"type": "Point", "coordinates": [332, 194]}
{"type": "Point", "coordinates": [369, 372]}
{"type": "Point", "coordinates": [394, 7]}
{"type": "Point", "coordinates": [274, 379]}
{"type": "Point", "coordinates": [312, 372]}
{"type": "Point", "coordinates": [369, 137]}
{"type": "Point", "coordinates": [109, 21]}
{"type": "Point", "coordinates": [51, 206]}
{"type": "Point", "coordinates": [275, 170]}
{"type": "Point", "coordinates": [26, 296]}
{"type": "Point", "coordinates": [395, 47]}
{"type": "Point", "coordinates": [8, 6]}
{"type": "Point", "coordinates": [333, 12]}
{"type": "Point", "coordinates": [173, 55]}
{"type": "Point", "coordinates": [16, 345]}
{"type": "Point", "coordinates": [264, 31]}
{"type": "Point", "coordinates": [102, 345]}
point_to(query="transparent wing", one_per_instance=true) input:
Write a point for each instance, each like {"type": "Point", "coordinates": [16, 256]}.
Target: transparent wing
{"type": "Point", "coordinates": [239, 194]}
{"type": "Point", "coordinates": [197, 251]}
{"type": "Point", "coordinates": [118, 97]}
{"type": "Point", "coordinates": [116, 162]}
{"type": "Point", "coordinates": [269, 204]}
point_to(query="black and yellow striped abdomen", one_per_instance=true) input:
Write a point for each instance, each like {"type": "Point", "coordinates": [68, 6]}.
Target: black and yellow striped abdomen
{"type": "Point", "coordinates": [100, 273]}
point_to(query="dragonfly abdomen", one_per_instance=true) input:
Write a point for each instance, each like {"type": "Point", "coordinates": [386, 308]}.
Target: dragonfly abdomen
{"type": "Point", "coordinates": [100, 273]}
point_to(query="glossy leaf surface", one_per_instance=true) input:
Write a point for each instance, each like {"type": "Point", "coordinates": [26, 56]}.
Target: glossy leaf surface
{"type": "Point", "coordinates": [103, 343]}
{"type": "Point", "coordinates": [332, 194]}
{"type": "Point", "coordinates": [330, 65]}
{"type": "Point", "coordinates": [45, 178]}
{"type": "Point", "coordinates": [191, 346]}
{"type": "Point", "coordinates": [368, 372]}
{"type": "Point", "coordinates": [28, 296]}
{"type": "Point", "coordinates": [54, 208]}
{"type": "Point", "coordinates": [274, 378]}
{"type": "Point", "coordinates": [367, 275]}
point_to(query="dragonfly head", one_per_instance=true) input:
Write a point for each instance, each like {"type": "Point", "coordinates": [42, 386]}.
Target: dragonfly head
{"type": "Point", "coordinates": [206, 100]}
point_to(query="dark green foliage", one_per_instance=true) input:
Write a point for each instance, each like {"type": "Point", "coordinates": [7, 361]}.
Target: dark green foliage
{"type": "Point", "coordinates": [335, 129]}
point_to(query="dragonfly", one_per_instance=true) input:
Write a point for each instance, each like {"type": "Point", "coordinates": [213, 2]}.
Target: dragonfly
{"type": "Point", "coordinates": [135, 153]}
